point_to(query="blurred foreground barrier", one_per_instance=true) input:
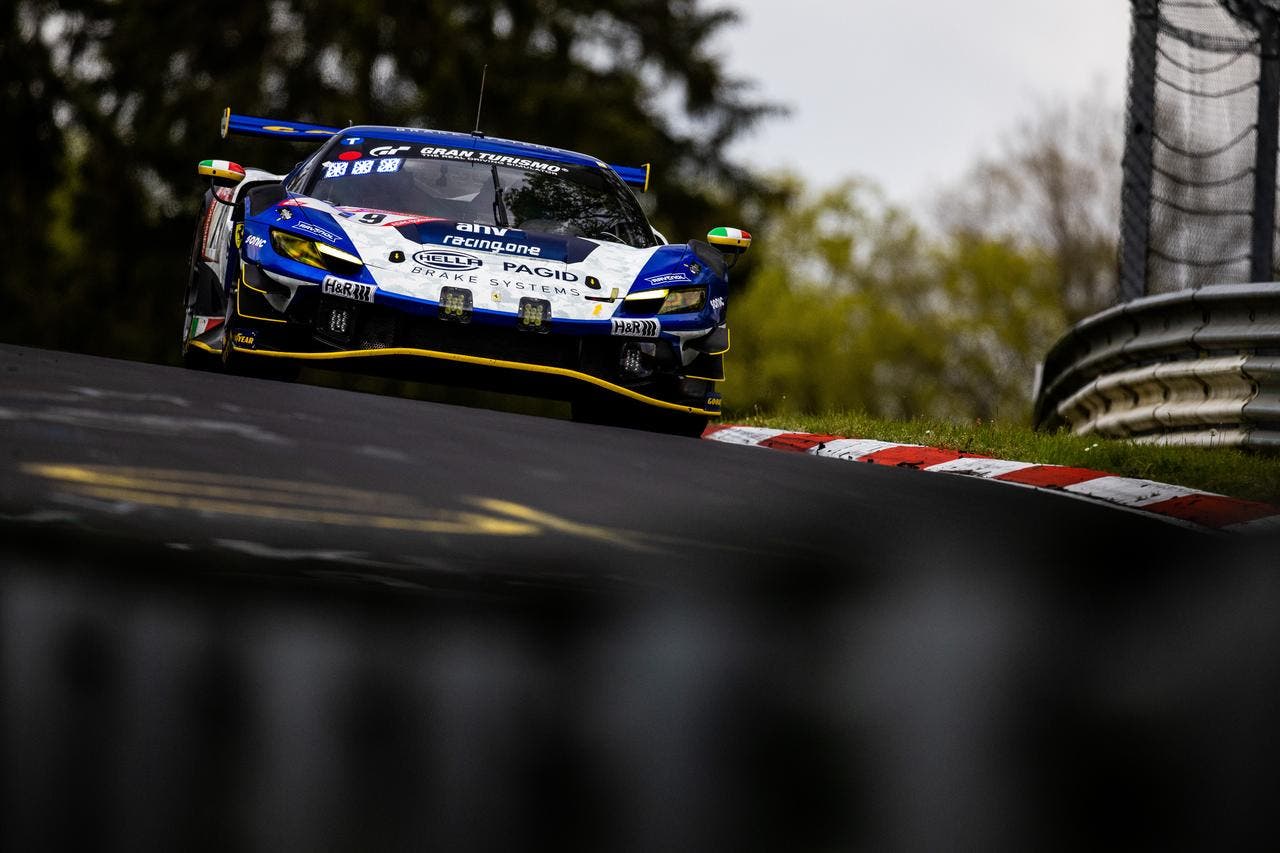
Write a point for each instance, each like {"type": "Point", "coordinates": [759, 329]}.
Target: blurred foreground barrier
{"type": "Point", "coordinates": [1018, 698]}
{"type": "Point", "coordinates": [1193, 367]}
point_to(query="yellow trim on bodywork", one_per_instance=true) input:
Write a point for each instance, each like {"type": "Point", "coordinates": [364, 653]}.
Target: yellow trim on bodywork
{"type": "Point", "coordinates": [202, 345]}
{"type": "Point", "coordinates": [246, 283]}
{"type": "Point", "coordinates": [484, 362]}
{"type": "Point", "coordinates": [215, 172]}
{"type": "Point", "coordinates": [729, 337]}
{"type": "Point", "coordinates": [732, 242]}
{"type": "Point", "coordinates": [646, 178]}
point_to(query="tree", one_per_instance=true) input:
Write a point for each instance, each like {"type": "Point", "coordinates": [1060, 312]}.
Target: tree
{"type": "Point", "coordinates": [1054, 186]}
{"type": "Point", "coordinates": [851, 307]}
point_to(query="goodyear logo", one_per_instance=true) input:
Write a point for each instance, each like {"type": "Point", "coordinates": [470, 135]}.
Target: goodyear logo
{"type": "Point", "coordinates": [443, 259]}
{"type": "Point", "coordinates": [244, 338]}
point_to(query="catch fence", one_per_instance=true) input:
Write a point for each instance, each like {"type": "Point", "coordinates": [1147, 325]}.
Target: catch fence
{"type": "Point", "coordinates": [1199, 192]}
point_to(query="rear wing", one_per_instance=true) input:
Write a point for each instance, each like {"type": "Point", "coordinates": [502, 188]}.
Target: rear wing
{"type": "Point", "coordinates": [254, 126]}
{"type": "Point", "coordinates": [636, 176]}
{"type": "Point", "coordinates": [241, 125]}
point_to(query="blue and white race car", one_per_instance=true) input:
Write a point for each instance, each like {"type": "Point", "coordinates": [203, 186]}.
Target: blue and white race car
{"type": "Point", "coordinates": [459, 258]}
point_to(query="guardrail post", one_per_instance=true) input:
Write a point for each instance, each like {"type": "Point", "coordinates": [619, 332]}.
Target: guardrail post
{"type": "Point", "coordinates": [1262, 253]}
{"type": "Point", "coordinates": [1135, 192]}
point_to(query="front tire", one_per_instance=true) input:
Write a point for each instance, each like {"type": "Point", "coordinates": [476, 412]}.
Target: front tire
{"type": "Point", "coordinates": [198, 299]}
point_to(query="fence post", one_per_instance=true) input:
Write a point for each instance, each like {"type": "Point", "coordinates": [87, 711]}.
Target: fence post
{"type": "Point", "coordinates": [1264, 175]}
{"type": "Point", "coordinates": [1135, 191]}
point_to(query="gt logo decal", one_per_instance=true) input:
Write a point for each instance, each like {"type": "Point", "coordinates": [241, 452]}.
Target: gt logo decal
{"type": "Point", "coordinates": [635, 328]}
{"type": "Point", "coordinates": [347, 289]}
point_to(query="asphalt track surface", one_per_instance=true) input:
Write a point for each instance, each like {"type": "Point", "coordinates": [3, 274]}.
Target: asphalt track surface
{"type": "Point", "coordinates": [427, 493]}
{"type": "Point", "coordinates": [245, 614]}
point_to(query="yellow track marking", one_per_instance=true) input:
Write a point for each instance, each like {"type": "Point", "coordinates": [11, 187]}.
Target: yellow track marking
{"type": "Point", "coordinates": [273, 499]}
{"type": "Point", "coordinates": [623, 538]}
{"type": "Point", "coordinates": [314, 503]}
{"type": "Point", "coordinates": [225, 487]}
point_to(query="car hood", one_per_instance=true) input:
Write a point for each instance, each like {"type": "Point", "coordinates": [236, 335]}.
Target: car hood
{"type": "Point", "coordinates": [416, 256]}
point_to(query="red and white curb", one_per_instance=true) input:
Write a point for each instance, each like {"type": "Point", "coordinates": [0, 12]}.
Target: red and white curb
{"type": "Point", "coordinates": [1178, 504]}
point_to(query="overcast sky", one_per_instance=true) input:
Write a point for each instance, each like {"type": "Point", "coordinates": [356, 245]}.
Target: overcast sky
{"type": "Point", "coordinates": [910, 92]}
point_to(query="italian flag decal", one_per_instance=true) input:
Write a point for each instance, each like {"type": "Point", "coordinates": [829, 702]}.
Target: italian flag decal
{"type": "Point", "coordinates": [734, 237]}
{"type": "Point", "coordinates": [200, 325]}
{"type": "Point", "coordinates": [221, 169]}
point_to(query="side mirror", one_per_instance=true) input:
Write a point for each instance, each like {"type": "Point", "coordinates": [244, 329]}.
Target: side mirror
{"type": "Point", "coordinates": [223, 174]}
{"type": "Point", "coordinates": [731, 242]}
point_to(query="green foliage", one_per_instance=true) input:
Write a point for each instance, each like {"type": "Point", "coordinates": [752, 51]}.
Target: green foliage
{"type": "Point", "coordinates": [851, 307]}
{"type": "Point", "coordinates": [110, 106]}
{"type": "Point", "coordinates": [1222, 470]}
{"type": "Point", "coordinates": [1054, 186]}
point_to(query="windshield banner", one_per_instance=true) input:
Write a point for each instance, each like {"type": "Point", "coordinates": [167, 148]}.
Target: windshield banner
{"type": "Point", "coordinates": [498, 240]}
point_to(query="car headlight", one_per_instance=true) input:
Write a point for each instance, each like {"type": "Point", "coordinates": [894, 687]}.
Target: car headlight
{"type": "Point", "coordinates": [315, 254]}
{"type": "Point", "coordinates": [668, 301]}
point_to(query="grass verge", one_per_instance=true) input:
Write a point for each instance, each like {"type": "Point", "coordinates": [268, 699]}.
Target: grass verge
{"type": "Point", "coordinates": [1224, 470]}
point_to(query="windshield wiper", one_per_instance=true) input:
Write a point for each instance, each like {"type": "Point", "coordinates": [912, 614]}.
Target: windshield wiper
{"type": "Point", "coordinates": [499, 209]}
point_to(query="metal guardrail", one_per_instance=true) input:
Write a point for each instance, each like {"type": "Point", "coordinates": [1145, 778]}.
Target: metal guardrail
{"type": "Point", "coordinates": [1193, 367]}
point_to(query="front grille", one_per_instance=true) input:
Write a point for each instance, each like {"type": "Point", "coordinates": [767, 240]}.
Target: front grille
{"type": "Point", "coordinates": [489, 342]}
{"type": "Point", "coordinates": [377, 331]}
{"type": "Point", "coordinates": [378, 327]}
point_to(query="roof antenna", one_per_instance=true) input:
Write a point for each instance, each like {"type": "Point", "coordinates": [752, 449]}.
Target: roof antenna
{"type": "Point", "coordinates": [479, 104]}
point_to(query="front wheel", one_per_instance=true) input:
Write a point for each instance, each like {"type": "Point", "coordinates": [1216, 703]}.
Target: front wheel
{"type": "Point", "coordinates": [199, 300]}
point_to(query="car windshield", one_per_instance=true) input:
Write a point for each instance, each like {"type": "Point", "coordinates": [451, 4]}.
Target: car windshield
{"type": "Point", "coordinates": [474, 186]}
